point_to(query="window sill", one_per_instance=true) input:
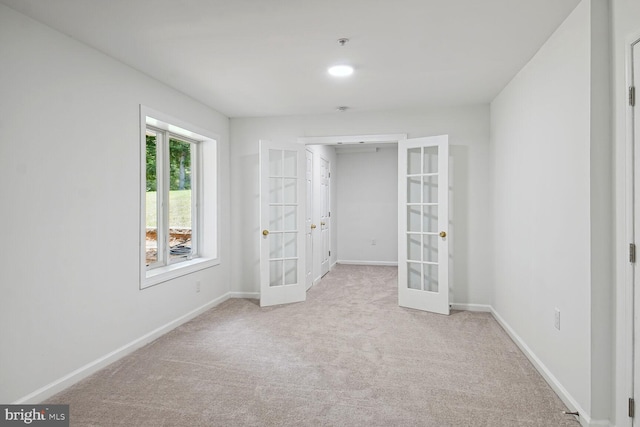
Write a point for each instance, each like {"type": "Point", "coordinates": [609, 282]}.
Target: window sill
{"type": "Point", "coordinates": [163, 274]}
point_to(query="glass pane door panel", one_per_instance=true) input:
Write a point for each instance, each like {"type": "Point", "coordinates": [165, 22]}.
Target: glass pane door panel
{"type": "Point", "coordinates": [275, 218]}
{"type": "Point", "coordinates": [413, 218]}
{"type": "Point", "coordinates": [430, 248]}
{"type": "Point", "coordinates": [413, 189]}
{"type": "Point", "coordinates": [414, 275]}
{"type": "Point", "coordinates": [290, 245]}
{"type": "Point", "coordinates": [275, 163]}
{"type": "Point", "coordinates": [414, 161]}
{"type": "Point", "coordinates": [430, 219]}
{"type": "Point", "coordinates": [276, 273]}
{"type": "Point", "coordinates": [430, 189]}
{"type": "Point", "coordinates": [290, 163]}
{"type": "Point", "coordinates": [291, 271]}
{"type": "Point", "coordinates": [275, 190]}
{"type": "Point", "coordinates": [430, 164]}
{"type": "Point", "coordinates": [290, 190]}
{"type": "Point", "coordinates": [430, 277]}
{"type": "Point", "coordinates": [290, 217]}
{"type": "Point", "coordinates": [413, 247]}
{"type": "Point", "coordinates": [275, 245]}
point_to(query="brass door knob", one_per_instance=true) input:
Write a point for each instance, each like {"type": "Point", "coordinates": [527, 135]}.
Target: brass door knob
{"type": "Point", "coordinates": [313, 226]}
{"type": "Point", "coordinates": [265, 232]}
{"type": "Point", "coordinates": [443, 234]}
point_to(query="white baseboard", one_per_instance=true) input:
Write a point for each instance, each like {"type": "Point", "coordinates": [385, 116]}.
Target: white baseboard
{"type": "Point", "coordinates": [584, 418]}
{"type": "Point", "coordinates": [471, 307]}
{"type": "Point", "coordinates": [358, 262]}
{"type": "Point", "coordinates": [90, 368]}
{"type": "Point", "coordinates": [56, 386]}
{"type": "Point", "coordinates": [246, 295]}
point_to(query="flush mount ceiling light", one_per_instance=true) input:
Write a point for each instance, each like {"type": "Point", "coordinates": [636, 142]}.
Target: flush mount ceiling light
{"type": "Point", "coordinates": [341, 70]}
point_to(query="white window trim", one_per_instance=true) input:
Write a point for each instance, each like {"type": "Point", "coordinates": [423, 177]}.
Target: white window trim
{"type": "Point", "coordinates": [208, 209]}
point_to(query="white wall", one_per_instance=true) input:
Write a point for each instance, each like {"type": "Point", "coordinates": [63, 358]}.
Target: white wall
{"type": "Point", "coordinates": [468, 129]}
{"type": "Point", "coordinates": [551, 209]}
{"type": "Point", "coordinates": [368, 201]}
{"type": "Point", "coordinates": [626, 29]}
{"type": "Point", "coordinates": [69, 156]}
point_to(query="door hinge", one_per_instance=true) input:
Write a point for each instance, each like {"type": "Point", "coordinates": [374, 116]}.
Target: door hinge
{"type": "Point", "coordinates": [632, 407]}
{"type": "Point", "coordinates": [329, 253]}
{"type": "Point", "coordinates": [632, 96]}
{"type": "Point", "coordinates": [329, 214]}
{"type": "Point", "coordinates": [632, 252]}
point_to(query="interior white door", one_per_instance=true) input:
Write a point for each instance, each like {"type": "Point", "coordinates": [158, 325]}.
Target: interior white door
{"type": "Point", "coordinates": [282, 219]}
{"type": "Point", "coordinates": [308, 224]}
{"type": "Point", "coordinates": [423, 212]}
{"type": "Point", "coordinates": [325, 216]}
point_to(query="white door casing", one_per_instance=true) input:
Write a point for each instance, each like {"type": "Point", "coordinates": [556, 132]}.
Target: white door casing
{"type": "Point", "coordinates": [635, 125]}
{"type": "Point", "coordinates": [423, 219]}
{"type": "Point", "coordinates": [282, 223]}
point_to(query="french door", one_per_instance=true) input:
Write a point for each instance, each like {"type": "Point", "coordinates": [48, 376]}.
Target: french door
{"type": "Point", "coordinates": [423, 212]}
{"type": "Point", "coordinates": [282, 219]}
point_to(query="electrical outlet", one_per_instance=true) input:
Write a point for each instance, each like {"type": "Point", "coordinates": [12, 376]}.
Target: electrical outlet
{"type": "Point", "coordinates": [556, 320]}
{"type": "Point", "coordinates": [197, 286]}
{"type": "Point", "coordinates": [373, 242]}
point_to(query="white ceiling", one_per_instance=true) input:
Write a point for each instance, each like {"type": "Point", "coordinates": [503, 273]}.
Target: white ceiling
{"type": "Point", "coordinates": [249, 58]}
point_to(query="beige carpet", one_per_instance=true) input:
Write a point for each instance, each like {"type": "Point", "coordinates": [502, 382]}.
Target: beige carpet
{"type": "Point", "coordinates": [348, 356]}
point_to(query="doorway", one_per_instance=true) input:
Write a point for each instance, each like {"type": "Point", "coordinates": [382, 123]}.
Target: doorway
{"type": "Point", "coordinates": [325, 220]}
{"type": "Point", "coordinates": [288, 191]}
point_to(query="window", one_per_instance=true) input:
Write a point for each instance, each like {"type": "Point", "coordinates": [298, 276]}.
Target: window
{"type": "Point", "coordinates": [179, 216]}
{"type": "Point", "coordinates": [171, 199]}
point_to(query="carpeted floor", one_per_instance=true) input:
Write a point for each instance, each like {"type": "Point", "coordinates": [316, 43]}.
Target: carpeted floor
{"type": "Point", "coordinates": [348, 356]}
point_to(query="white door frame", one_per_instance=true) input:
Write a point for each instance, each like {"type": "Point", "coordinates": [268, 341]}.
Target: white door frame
{"type": "Point", "coordinates": [629, 298]}
{"type": "Point", "coordinates": [342, 140]}
{"type": "Point", "coordinates": [625, 235]}
{"type": "Point", "coordinates": [352, 139]}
